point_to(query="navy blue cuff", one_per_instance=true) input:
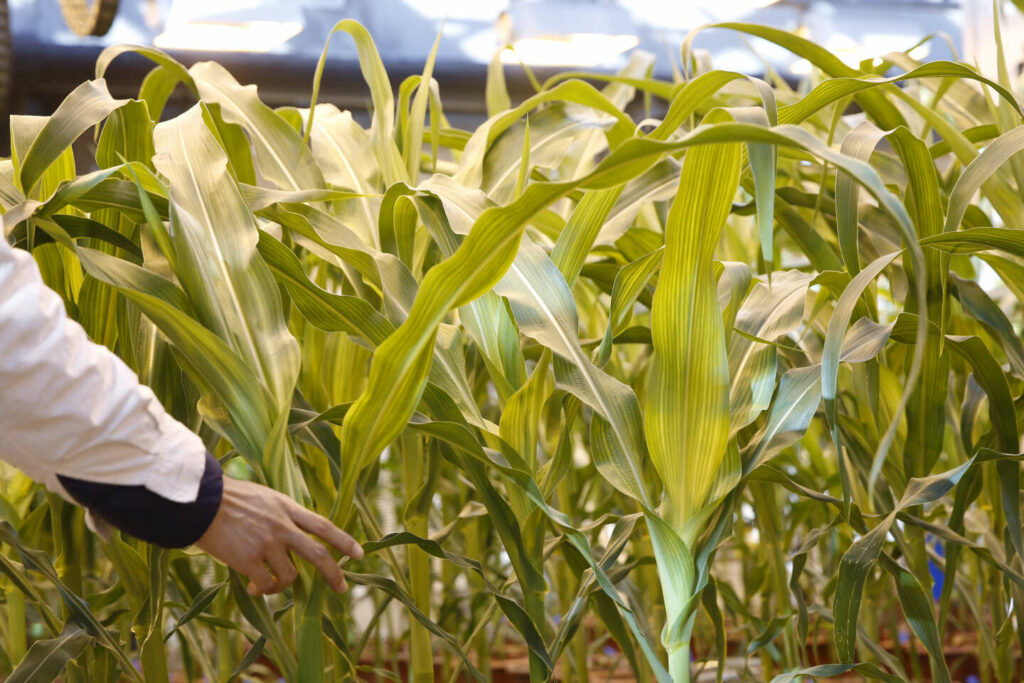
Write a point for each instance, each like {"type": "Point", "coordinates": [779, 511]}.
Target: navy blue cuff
{"type": "Point", "coordinates": [139, 512]}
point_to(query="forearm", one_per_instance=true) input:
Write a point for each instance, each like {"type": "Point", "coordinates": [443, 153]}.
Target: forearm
{"type": "Point", "coordinates": [71, 411]}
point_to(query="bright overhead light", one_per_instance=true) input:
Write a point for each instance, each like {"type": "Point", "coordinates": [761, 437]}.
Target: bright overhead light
{"type": "Point", "coordinates": [871, 45]}
{"type": "Point", "coordinates": [566, 32]}
{"type": "Point", "coordinates": [229, 25]}
{"type": "Point", "coordinates": [575, 49]}
{"type": "Point", "coordinates": [248, 36]}
{"type": "Point", "coordinates": [921, 52]}
{"type": "Point", "coordinates": [722, 9]}
{"type": "Point", "coordinates": [800, 67]}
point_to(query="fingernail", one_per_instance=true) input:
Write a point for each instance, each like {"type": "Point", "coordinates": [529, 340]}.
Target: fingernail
{"type": "Point", "coordinates": [357, 552]}
{"type": "Point", "coordinates": [251, 589]}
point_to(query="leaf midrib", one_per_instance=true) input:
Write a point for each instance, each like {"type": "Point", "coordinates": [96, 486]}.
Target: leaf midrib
{"type": "Point", "coordinates": [221, 263]}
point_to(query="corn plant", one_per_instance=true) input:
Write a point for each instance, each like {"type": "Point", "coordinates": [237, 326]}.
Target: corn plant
{"type": "Point", "coordinates": [549, 350]}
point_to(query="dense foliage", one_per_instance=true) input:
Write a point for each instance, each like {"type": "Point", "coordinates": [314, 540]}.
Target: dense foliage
{"type": "Point", "coordinates": [679, 366]}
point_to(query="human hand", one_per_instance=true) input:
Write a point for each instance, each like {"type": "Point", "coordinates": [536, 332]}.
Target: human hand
{"type": "Point", "coordinates": [256, 526]}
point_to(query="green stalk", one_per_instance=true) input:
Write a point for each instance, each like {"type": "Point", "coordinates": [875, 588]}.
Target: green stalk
{"type": "Point", "coordinates": [533, 535]}
{"type": "Point", "coordinates": [421, 665]}
{"type": "Point", "coordinates": [676, 572]}
{"type": "Point", "coordinates": [154, 659]}
{"type": "Point", "coordinates": [579, 641]}
{"type": "Point", "coordinates": [378, 643]}
{"type": "Point", "coordinates": [68, 570]}
{"type": "Point", "coordinates": [567, 578]}
{"type": "Point", "coordinates": [679, 662]}
{"type": "Point", "coordinates": [153, 654]}
{"type": "Point", "coordinates": [419, 569]}
{"type": "Point", "coordinates": [765, 653]}
{"type": "Point", "coordinates": [649, 576]}
{"type": "Point", "coordinates": [449, 573]}
{"type": "Point", "coordinates": [579, 672]}
{"type": "Point", "coordinates": [17, 637]}
{"type": "Point", "coordinates": [535, 607]}
{"type": "Point", "coordinates": [769, 521]}
{"type": "Point", "coordinates": [310, 597]}
{"type": "Point", "coordinates": [223, 608]}
{"type": "Point", "coordinates": [475, 547]}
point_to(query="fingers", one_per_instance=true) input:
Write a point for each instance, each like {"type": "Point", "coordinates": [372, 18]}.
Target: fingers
{"type": "Point", "coordinates": [320, 558]}
{"type": "Point", "coordinates": [257, 526]}
{"type": "Point", "coordinates": [322, 527]}
{"type": "Point", "coordinates": [282, 567]}
{"type": "Point", "coordinates": [260, 579]}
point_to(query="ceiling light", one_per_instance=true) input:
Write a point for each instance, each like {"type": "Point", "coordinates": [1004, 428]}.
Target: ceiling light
{"type": "Point", "coordinates": [580, 33]}
{"type": "Point", "coordinates": [722, 10]}
{"type": "Point", "coordinates": [576, 49]}
{"type": "Point", "coordinates": [921, 52]}
{"type": "Point", "coordinates": [249, 36]}
{"type": "Point", "coordinates": [229, 26]}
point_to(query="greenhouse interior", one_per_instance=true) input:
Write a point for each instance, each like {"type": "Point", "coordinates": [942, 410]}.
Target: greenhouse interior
{"type": "Point", "coordinates": [577, 341]}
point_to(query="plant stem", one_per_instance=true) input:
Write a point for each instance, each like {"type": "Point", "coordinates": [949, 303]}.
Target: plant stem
{"type": "Point", "coordinates": [154, 659]}
{"type": "Point", "coordinates": [476, 542]}
{"type": "Point", "coordinates": [17, 640]}
{"type": "Point", "coordinates": [770, 523]}
{"type": "Point", "coordinates": [222, 608]}
{"type": "Point", "coordinates": [676, 589]}
{"type": "Point", "coordinates": [152, 653]}
{"type": "Point", "coordinates": [419, 569]}
{"type": "Point", "coordinates": [567, 578]}
{"type": "Point", "coordinates": [535, 599]}
{"type": "Point", "coordinates": [679, 663]}
{"type": "Point", "coordinates": [68, 570]}
{"type": "Point", "coordinates": [421, 664]}
{"type": "Point", "coordinates": [310, 599]}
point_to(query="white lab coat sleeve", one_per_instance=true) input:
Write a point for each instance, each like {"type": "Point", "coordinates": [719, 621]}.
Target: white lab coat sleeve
{"type": "Point", "coordinates": [71, 407]}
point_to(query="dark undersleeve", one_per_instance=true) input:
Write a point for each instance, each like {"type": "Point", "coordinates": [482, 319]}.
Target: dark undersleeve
{"type": "Point", "coordinates": [139, 512]}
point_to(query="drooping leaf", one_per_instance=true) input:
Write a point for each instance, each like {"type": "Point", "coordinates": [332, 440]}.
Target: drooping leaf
{"type": "Point", "coordinates": [46, 659]}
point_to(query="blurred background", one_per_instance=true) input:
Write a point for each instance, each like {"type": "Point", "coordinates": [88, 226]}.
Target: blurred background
{"type": "Point", "coordinates": [49, 46]}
